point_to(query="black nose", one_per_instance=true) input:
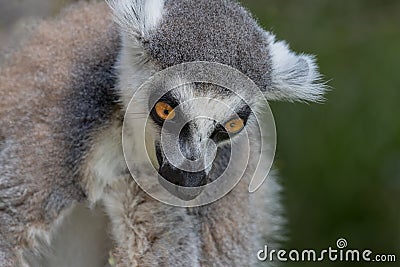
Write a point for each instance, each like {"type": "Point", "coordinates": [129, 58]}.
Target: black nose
{"type": "Point", "coordinates": [182, 184]}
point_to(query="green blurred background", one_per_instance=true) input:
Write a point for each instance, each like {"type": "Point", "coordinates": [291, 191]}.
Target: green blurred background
{"type": "Point", "coordinates": [340, 161]}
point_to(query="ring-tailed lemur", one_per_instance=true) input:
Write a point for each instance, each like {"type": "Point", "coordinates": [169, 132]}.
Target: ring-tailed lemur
{"type": "Point", "coordinates": [66, 195]}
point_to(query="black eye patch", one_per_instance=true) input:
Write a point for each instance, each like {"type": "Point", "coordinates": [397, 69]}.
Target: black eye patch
{"type": "Point", "coordinates": [220, 133]}
{"type": "Point", "coordinates": [167, 98]}
{"type": "Point", "coordinates": [244, 113]}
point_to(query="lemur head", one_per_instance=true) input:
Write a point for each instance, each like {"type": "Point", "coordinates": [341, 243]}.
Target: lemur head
{"type": "Point", "coordinates": [158, 34]}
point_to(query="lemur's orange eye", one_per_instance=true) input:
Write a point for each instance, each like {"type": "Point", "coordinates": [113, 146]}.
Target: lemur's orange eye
{"type": "Point", "coordinates": [164, 111]}
{"type": "Point", "coordinates": [234, 126]}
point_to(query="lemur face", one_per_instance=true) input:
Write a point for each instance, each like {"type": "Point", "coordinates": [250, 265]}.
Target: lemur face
{"type": "Point", "coordinates": [193, 121]}
{"type": "Point", "coordinates": [189, 124]}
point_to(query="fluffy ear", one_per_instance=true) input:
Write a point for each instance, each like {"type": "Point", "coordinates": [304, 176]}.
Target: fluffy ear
{"type": "Point", "coordinates": [137, 17]}
{"type": "Point", "coordinates": [295, 77]}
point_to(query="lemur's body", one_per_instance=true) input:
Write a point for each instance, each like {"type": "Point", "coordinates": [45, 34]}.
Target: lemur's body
{"type": "Point", "coordinates": [62, 100]}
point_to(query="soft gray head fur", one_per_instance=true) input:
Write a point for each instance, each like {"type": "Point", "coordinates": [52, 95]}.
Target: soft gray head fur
{"type": "Point", "coordinates": [170, 32]}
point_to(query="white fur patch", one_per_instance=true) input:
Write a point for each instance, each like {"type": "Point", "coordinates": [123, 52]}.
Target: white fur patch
{"type": "Point", "coordinates": [295, 77]}
{"type": "Point", "coordinates": [105, 163]}
{"type": "Point", "coordinates": [137, 17]}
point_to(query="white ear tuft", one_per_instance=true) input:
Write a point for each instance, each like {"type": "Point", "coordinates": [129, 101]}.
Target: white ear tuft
{"type": "Point", "coordinates": [295, 77]}
{"type": "Point", "coordinates": [137, 17]}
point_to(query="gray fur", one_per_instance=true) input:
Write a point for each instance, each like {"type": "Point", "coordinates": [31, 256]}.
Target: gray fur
{"type": "Point", "coordinates": [90, 103]}
{"type": "Point", "coordinates": [218, 31]}
{"type": "Point", "coordinates": [62, 96]}
{"type": "Point", "coordinates": [52, 101]}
